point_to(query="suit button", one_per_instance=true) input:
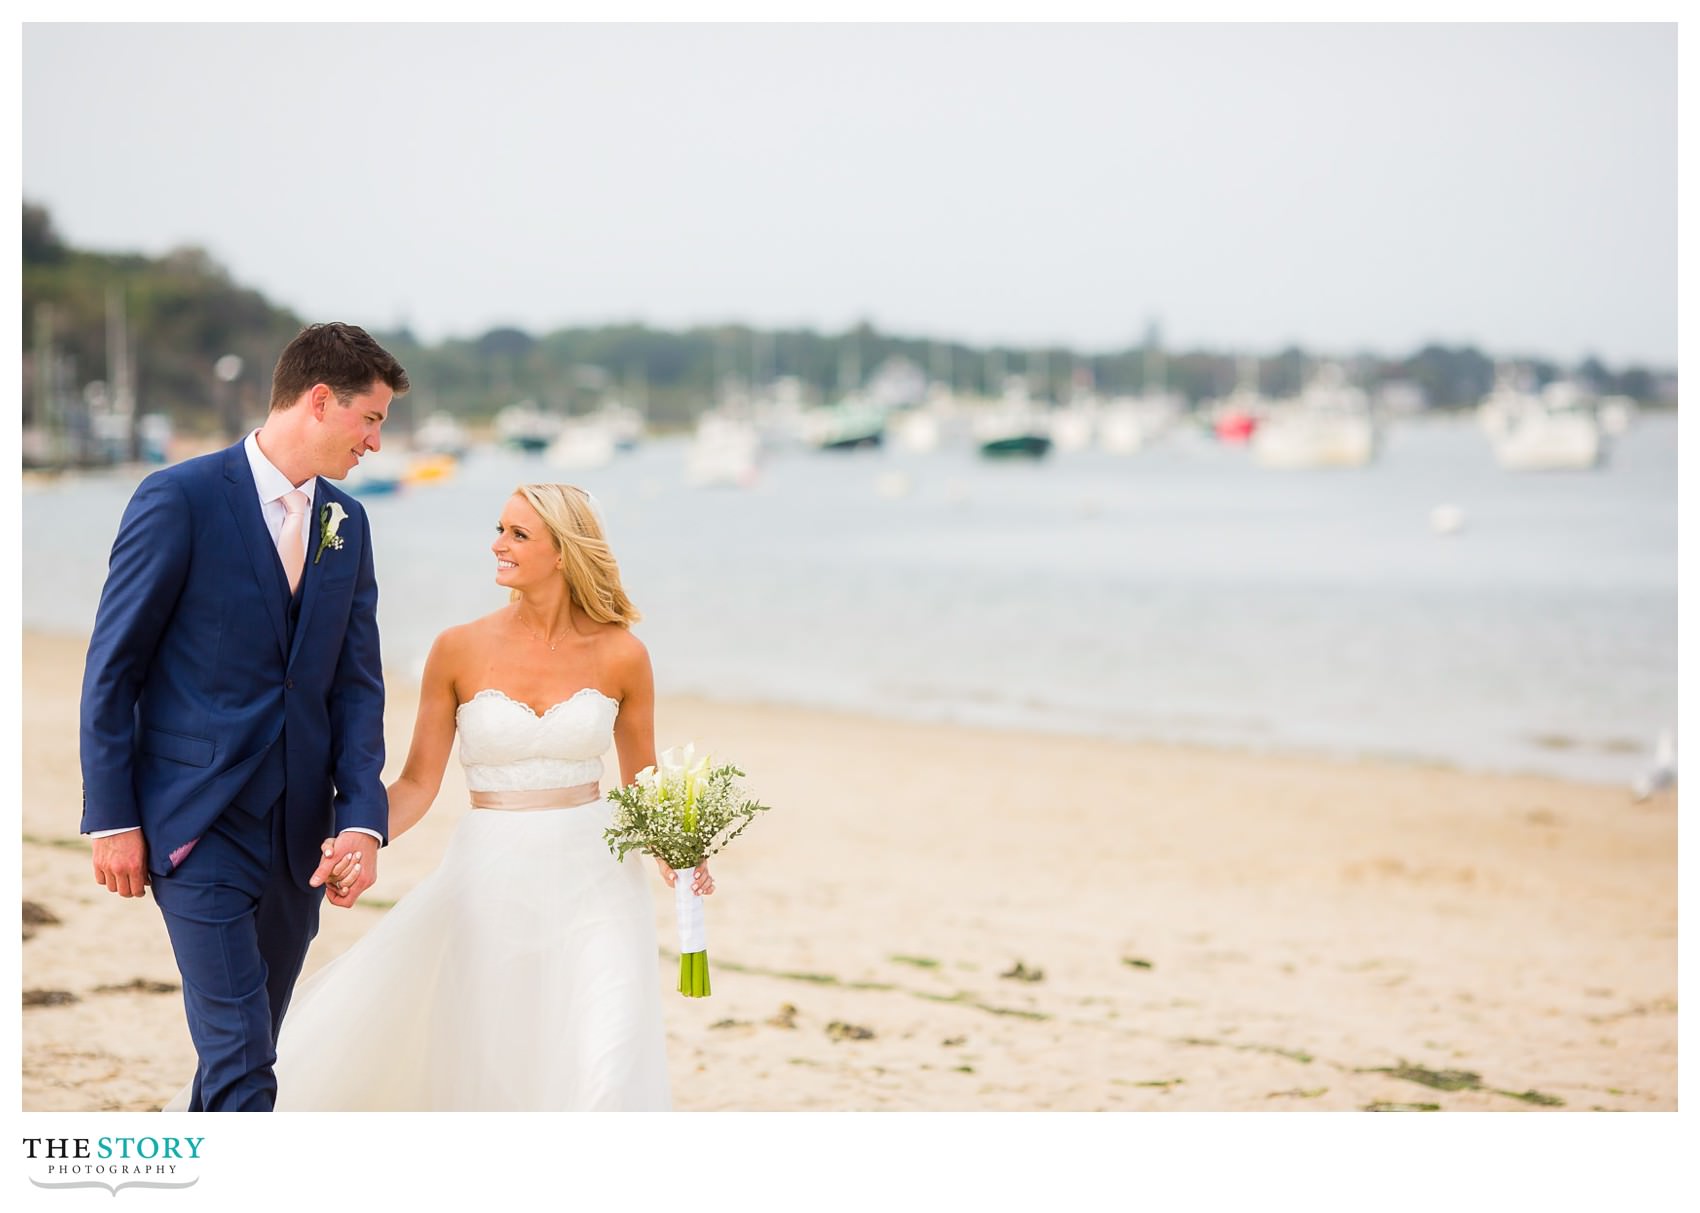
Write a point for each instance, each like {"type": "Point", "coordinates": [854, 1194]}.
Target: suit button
{"type": "Point", "coordinates": [289, 684]}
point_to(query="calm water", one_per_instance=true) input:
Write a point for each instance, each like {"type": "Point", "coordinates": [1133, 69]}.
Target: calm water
{"type": "Point", "coordinates": [1181, 594]}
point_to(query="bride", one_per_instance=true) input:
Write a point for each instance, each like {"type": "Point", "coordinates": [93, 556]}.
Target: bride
{"type": "Point", "coordinates": [520, 975]}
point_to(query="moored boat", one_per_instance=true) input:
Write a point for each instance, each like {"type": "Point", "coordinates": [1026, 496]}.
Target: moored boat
{"type": "Point", "coordinates": [1017, 446]}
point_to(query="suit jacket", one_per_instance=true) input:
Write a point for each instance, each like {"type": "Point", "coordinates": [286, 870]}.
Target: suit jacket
{"type": "Point", "coordinates": [196, 679]}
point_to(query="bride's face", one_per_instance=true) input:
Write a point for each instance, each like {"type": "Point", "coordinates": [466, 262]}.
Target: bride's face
{"type": "Point", "coordinates": [525, 554]}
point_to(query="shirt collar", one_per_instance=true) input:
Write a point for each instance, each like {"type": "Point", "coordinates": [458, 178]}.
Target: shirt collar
{"type": "Point", "coordinates": [271, 483]}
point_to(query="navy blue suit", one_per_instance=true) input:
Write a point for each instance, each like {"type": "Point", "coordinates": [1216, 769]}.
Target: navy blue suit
{"type": "Point", "coordinates": [239, 726]}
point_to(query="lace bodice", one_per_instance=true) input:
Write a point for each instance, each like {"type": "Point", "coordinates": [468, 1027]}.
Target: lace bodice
{"type": "Point", "coordinates": [507, 747]}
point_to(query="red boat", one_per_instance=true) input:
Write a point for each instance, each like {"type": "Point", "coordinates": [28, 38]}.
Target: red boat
{"type": "Point", "coordinates": [1235, 426]}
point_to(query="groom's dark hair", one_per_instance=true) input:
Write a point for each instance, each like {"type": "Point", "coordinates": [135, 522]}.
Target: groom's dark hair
{"type": "Point", "coordinates": [343, 357]}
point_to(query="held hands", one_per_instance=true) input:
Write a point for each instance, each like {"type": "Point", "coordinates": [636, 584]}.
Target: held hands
{"type": "Point", "coordinates": [348, 867]}
{"type": "Point", "coordinates": [121, 863]}
{"type": "Point", "coordinates": [703, 883]}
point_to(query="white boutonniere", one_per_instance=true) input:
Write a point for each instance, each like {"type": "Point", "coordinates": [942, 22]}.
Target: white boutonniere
{"type": "Point", "coordinates": [330, 521]}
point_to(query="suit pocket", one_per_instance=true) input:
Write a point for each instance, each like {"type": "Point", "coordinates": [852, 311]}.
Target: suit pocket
{"type": "Point", "coordinates": [340, 574]}
{"type": "Point", "coordinates": [193, 751]}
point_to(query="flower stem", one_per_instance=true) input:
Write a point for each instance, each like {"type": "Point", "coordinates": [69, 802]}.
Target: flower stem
{"type": "Point", "coordinates": [693, 974]}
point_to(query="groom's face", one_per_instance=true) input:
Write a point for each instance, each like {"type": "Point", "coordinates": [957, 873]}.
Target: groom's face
{"type": "Point", "coordinates": [348, 429]}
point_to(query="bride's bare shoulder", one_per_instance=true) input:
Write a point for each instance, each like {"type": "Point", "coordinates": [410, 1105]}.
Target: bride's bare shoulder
{"type": "Point", "coordinates": [626, 654]}
{"type": "Point", "coordinates": [472, 635]}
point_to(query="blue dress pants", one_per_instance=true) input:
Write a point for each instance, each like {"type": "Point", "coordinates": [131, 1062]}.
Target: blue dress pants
{"type": "Point", "coordinates": [240, 928]}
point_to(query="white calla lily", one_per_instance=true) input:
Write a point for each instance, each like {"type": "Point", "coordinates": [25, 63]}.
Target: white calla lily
{"type": "Point", "coordinates": [682, 810]}
{"type": "Point", "coordinates": [330, 521]}
{"type": "Point", "coordinates": [679, 759]}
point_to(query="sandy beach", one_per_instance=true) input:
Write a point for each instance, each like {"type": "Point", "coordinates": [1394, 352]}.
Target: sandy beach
{"type": "Point", "coordinates": [946, 918]}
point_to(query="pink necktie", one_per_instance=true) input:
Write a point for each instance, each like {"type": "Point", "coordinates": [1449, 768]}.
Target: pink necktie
{"type": "Point", "coordinates": [289, 544]}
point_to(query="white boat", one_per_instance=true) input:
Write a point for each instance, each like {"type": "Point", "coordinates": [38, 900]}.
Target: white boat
{"type": "Point", "coordinates": [916, 430]}
{"type": "Point", "coordinates": [1550, 442]}
{"type": "Point", "coordinates": [782, 413]}
{"type": "Point", "coordinates": [1071, 426]}
{"type": "Point", "coordinates": [1509, 399]}
{"type": "Point", "coordinates": [582, 445]}
{"type": "Point", "coordinates": [623, 423]}
{"type": "Point", "coordinates": [524, 426]}
{"type": "Point", "coordinates": [1128, 424]}
{"type": "Point", "coordinates": [1617, 414]}
{"type": "Point", "coordinates": [725, 451]}
{"type": "Point", "coordinates": [1328, 424]}
{"type": "Point", "coordinates": [1553, 432]}
{"type": "Point", "coordinates": [1297, 438]}
{"type": "Point", "coordinates": [441, 434]}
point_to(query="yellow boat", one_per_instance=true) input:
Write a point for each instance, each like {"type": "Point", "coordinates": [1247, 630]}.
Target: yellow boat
{"type": "Point", "coordinates": [427, 468]}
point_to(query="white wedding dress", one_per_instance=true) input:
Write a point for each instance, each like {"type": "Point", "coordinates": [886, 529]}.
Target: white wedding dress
{"type": "Point", "coordinates": [520, 975]}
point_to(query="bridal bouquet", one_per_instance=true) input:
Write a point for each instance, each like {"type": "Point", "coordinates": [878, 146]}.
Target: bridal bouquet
{"type": "Point", "coordinates": [682, 811]}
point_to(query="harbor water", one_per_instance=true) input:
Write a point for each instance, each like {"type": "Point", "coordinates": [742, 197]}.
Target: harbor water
{"type": "Point", "coordinates": [1180, 594]}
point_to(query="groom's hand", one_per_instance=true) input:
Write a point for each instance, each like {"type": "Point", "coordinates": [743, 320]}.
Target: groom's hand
{"type": "Point", "coordinates": [121, 863]}
{"type": "Point", "coordinates": [351, 845]}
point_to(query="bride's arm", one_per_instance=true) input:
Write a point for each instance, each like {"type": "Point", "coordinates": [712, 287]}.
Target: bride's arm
{"type": "Point", "coordinates": [634, 734]}
{"type": "Point", "coordinates": [634, 727]}
{"type": "Point", "coordinates": [433, 735]}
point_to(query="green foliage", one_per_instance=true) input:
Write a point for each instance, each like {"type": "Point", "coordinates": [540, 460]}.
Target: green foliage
{"type": "Point", "coordinates": [42, 245]}
{"type": "Point", "coordinates": [1440, 1080]}
{"type": "Point", "coordinates": [682, 828]}
{"type": "Point", "coordinates": [183, 314]}
{"type": "Point", "coordinates": [1540, 1098]}
{"type": "Point", "coordinates": [920, 962]}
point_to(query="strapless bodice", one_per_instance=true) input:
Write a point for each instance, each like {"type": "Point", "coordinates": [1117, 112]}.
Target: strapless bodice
{"type": "Point", "coordinates": [507, 747]}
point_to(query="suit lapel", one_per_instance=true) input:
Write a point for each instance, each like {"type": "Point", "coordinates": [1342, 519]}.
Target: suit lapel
{"type": "Point", "coordinates": [244, 500]}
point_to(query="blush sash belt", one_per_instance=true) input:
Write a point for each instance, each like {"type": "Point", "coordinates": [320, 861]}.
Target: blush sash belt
{"type": "Point", "coordinates": [538, 798]}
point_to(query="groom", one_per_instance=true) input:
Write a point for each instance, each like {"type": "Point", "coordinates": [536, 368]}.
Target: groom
{"type": "Point", "coordinates": [232, 710]}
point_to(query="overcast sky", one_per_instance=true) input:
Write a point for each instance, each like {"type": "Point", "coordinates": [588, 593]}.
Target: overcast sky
{"type": "Point", "coordinates": [1342, 187]}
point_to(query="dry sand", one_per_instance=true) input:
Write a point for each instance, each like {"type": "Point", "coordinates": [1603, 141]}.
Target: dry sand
{"type": "Point", "coordinates": [944, 918]}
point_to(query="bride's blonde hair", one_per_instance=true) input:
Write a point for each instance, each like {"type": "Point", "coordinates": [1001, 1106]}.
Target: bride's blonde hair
{"type": "Point", "coordinates": [587, 563]}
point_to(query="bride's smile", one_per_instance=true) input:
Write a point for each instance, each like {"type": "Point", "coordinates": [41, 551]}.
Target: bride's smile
{"type": "Point", "coordinates": [525, 556]}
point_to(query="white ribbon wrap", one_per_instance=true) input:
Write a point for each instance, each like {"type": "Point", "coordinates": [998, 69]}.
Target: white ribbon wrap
{"type": "Point", "coordinates": [693, 937]}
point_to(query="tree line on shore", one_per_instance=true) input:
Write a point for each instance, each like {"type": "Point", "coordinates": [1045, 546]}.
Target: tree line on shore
{"type": "Point", "coordinates": [182, 314]}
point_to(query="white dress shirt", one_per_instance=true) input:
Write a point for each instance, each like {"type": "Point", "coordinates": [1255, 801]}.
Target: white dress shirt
{"type": "Point", "coordinates": [271, 485]}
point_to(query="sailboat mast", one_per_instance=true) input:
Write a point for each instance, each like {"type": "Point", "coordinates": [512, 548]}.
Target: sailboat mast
{"type": "Point", "coordinates": [123, 396]}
